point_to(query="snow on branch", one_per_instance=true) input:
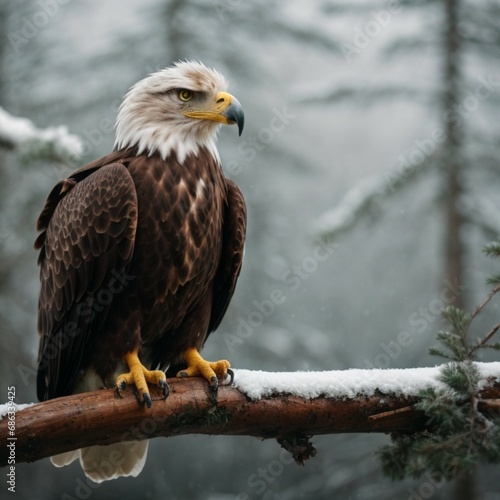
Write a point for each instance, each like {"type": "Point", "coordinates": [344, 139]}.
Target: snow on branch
{"type": "Point", "coordinates": [357, 201]}
{"type": "Point", "coordinates": [365, 195]}
{"type": "Point", "coordinates": [288, 406]}
{"type": "Point", "coordinates": [54, 143]}
{"type": "Point", "coordinates": [364, 7]}
{"type": "Point", "coordinates": [362, 95]}
{"type": "Point", "coordinates": [305, 34]}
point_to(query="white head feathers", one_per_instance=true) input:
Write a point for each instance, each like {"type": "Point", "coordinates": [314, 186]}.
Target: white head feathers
{"type": "Point", "coordinates": [152, 117]}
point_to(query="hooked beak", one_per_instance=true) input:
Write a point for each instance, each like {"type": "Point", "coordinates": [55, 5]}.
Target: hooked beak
{"type": "Point", "coordinates": [226, 110]}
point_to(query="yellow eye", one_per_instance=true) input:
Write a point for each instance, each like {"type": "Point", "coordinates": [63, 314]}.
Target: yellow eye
{"type": "Point", "coordinates": [185, 95]}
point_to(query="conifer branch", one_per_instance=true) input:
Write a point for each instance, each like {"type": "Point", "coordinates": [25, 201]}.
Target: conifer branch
{"type": "Point", "coordinates": [483, 342]}
{"type": "Point", "coordinates": [481, 306]}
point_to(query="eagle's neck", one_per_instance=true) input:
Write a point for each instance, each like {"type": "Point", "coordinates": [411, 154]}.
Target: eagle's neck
{"type": "Point", "coordinates": [166, 138]}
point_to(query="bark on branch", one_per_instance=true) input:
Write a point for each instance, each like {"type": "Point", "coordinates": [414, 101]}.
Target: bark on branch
{"type": "Point", "coordinates": [102, 417]}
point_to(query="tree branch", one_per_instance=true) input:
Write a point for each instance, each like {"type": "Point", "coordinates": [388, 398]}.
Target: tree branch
{"type": "Point", "coordinates": [102, 417]}
{"type": "Point", "coordinates": [361, 198]}
{"type": "Point", "coordinates": [52, 143]}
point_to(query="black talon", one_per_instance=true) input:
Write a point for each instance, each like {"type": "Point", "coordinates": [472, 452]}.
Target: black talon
{"type": "Point", "coordinates": [118, 394]}
{"type": "Point", "coordinates": [183, 374]}
{"type": "Point", "coordinates": [138, 397]}
{"type": "Point", "coordinates": [122, 386]}
{"type": "Point", "coordinates": [165, 388]}
{"type": "Point", "coordinates": [147, 399]}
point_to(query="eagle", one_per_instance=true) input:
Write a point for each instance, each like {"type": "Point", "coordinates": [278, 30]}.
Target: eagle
{"type": "Point", "coordinates": [139, 254]}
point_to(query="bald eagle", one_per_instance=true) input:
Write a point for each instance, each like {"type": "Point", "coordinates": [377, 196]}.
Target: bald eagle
{"type": "Point", "coordinates": [140, 252]}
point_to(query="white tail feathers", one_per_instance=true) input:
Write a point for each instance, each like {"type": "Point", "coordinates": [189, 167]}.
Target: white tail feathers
{"type": "Point", "coordinates": [103, 463]}
{"type": "Point", "coordinates": [65, 458]}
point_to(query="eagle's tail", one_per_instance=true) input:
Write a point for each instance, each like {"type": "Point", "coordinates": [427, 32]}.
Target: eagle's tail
{"type": "Point", "coordinates": [102, 463]}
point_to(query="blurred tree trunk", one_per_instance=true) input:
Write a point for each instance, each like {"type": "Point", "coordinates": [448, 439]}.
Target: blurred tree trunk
{"type": "Point", "coordinates": [453, 166]}
{"type": "Point", "coordinates": [454, 248]}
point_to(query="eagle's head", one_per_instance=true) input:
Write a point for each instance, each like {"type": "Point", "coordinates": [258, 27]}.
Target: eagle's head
{"type": "Point", "coordinates": [178, 109]}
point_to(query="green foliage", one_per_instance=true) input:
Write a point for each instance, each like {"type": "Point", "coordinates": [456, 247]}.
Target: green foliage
{"type": "Point", "coordinates": [454, 345]}
{"type": "Point", "coordinates": [493, 279]}
{"type": "Point", "coordinates": [493, 249]}
{"type": "Point", "coordinates": [458, 435]}
{"type": "Point", "coordinates": [457, 318]}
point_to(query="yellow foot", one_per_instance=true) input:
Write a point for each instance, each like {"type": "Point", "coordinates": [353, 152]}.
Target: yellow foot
{"type": "Point", "coordinates": [140, 376]}
{"type": "Point", "coordinates": [209, 370]}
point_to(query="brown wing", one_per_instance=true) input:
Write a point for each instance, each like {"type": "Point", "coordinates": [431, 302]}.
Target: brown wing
{"type": "Point", "coordinates": [89, 223]}
{"type": "Point", "coordinates": [233, 242]}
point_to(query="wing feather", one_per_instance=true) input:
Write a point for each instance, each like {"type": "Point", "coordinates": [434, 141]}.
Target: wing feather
{"type": "Point", "coordinates": [233, 242]}
{"type": "Point", "coordinates": [89, 225]}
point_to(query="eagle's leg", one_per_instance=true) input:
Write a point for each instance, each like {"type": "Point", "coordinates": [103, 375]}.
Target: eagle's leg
{"type": "Point", "coordinates": [140, 376]}
{"type": "Point", "coordinates": [209, 370]}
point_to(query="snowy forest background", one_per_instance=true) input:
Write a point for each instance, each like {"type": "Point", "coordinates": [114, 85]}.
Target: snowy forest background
{"type": "Point", "coordinates": [373, 124]}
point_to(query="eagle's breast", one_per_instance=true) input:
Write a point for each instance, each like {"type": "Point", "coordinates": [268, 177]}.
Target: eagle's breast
{"type": "Point", "coordinates": [178, 240]}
